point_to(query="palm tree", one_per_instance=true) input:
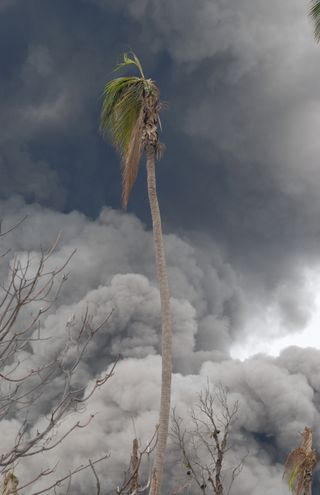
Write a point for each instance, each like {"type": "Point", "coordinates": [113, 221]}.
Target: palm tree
{"type": "Point", "coordinates": [130, 117]}
{"type": "Point", "coordinates": [300, 464]}
{"type": "Point", "coordinates": [315, 14]}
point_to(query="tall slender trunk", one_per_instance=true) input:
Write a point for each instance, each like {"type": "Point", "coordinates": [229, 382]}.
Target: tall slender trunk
{"type": "Point", "coordinates": [166, 327]}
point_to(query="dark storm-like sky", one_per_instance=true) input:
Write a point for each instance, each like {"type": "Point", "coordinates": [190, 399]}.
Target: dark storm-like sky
{"type": "Point", "coordinates": [241, 127]}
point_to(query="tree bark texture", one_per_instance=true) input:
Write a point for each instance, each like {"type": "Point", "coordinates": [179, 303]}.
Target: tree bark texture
{"type": "Point", "coordinates": [166, 322]}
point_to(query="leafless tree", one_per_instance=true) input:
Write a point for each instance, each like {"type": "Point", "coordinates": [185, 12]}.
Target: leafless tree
{"type": "Point", "coordinates": [203, 447]}
{"type": "Point", "coordinates": [27, 379]}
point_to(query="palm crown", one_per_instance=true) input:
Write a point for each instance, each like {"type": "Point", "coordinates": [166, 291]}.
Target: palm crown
{"type": "Point", "coordinates": [130, 118]}
{"type": "Point", "coordinates": [315, 14]}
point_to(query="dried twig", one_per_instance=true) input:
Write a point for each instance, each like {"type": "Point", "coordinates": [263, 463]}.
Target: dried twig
{"type": "Point", "coordinates": [96, 477]}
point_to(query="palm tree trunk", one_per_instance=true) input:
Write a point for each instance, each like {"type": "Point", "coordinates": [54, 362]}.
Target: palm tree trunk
{"type": "Point", "coordinates": [166, 322]}
{"type": "Point", "coordinates": [308, 488]}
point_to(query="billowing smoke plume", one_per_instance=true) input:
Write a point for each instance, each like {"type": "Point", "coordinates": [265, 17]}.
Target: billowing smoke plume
{"type": "Point", "coordinates": [113, 270]}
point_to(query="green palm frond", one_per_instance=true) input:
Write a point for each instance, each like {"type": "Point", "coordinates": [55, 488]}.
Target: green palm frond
{"type": "Point", "coordinates": [315, 14]}
{"type": "Point", "coordinates": [122, 102]}
{"type": "Point", "coordinates": [121, 121]}
{"type": "Point", "coordinates": [130, 61]}
{"type": "Point", "coordinates": [293, 478]}
{"type": "Point", "coordinates": [296, 480]}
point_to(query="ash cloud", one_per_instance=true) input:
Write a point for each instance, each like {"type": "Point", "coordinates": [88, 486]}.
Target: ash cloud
{"type": "Point", "coordinates": [276, 400]}
{"type": "Point", "coordinates": [108, 273]}
{"type": "Point", "coordinates": [277, 396]}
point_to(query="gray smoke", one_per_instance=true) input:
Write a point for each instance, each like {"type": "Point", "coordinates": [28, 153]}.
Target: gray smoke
{"type": "Point", "coordinates": [277, 396]}
{"type": "Point", "coordinates": [275, 404]}
{"type": "Point", "coordinates": [113, 268]}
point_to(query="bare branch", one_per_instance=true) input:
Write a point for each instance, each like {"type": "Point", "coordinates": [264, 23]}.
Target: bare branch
{"type": "Point", "coordinates": [96, 477]}
{"type": "Point", "coordinates": [30, 292]}
{"type": "Point", "coordinates": [15, 226]}
{"type": "Point", "coordinates": [63, 478]}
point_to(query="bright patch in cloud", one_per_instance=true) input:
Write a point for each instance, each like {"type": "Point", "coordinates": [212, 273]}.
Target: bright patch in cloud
{"type": "Point", "coordinates": [267, 332]}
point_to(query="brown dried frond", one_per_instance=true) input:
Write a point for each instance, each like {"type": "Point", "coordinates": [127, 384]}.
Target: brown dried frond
{"type": "Point", "coordinates": [298, 469]}
{"type": "Point", "coordinates": [160, 149]}
{"type": "Point", "coordinates": [163, 105]}
{"type": "Point", "coordinates": [9, 484]}
{"type": "Point", "coordinates": [131, 160]}
{"type": "Point", "coordinates": [295, 459]}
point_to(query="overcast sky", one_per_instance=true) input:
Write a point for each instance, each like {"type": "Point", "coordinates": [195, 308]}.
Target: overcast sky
{"type": "Point", "coordinates": [239, 190]}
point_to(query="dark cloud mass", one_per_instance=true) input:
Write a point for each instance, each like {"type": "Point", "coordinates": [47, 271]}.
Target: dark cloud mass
{"type": "Point", "coordinates": [241, 126]}
{"type": "Point", "coordinates": [239, 194]}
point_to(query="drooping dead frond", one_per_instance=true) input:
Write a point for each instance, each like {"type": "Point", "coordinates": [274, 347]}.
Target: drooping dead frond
{"type": "Point", "coordinates": [131, 160]}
